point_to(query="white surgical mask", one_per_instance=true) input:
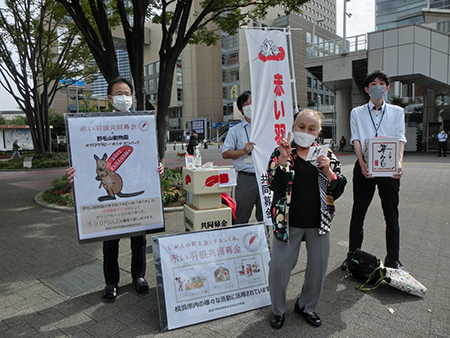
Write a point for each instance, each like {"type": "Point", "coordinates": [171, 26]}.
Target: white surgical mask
{"type": "Point", "coordinates": [377, 92]}
{"type": "Point", "coordinates": [122, 102]}
{"type": "Point", "coordinates": [302, 139]}
{"type": "Point", "coordinates": [247, 111]}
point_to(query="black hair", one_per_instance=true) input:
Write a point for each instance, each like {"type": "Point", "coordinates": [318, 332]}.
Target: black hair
{"type": "Point", "coordinates": [119, 80]}
{"type": "Point", "coordinates": [243, 98]}
{"type": "Point", "coordinates": [376, 74]}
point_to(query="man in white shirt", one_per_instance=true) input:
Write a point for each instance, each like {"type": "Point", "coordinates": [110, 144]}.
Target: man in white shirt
{"type": "Point", "coordinates": [238, 147]}
{"type": "Point", "coordinates": [376, 118]}
{"type": "Point", "coordinates": [442, 137]}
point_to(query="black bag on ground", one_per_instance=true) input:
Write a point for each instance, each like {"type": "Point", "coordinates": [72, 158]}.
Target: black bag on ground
{"type": "Point", "coordinates": [361, 264]}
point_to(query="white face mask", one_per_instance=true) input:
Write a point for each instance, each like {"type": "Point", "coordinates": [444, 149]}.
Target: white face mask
{"type": "Point", "coordinates": [122, 102]}
{"type": "Point", "coordinates": [247, 111]}
{"type": "Point", "coordinates": [302, 139]}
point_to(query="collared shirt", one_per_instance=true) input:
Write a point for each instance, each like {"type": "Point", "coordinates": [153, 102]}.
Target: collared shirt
{"type": "Point", "coordinates": [442, 137]}
{"type": "Point", "coordinates": [390, 122]}
{"type": "Point", "coordinates": [236, 139]}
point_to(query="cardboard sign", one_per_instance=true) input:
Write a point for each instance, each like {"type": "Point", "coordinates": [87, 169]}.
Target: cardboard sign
{"type": "Point", "coordinates": [202, 276]}
{"type": "Point", "coordinates": [382, 155]}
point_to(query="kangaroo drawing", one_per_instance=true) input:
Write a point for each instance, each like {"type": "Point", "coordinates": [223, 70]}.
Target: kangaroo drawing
{"type": "Point", "coordinates": [111, 181]}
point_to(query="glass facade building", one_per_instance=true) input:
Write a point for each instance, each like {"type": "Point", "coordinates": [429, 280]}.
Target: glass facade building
{"type": "Point", "coordinates": [397, 13]}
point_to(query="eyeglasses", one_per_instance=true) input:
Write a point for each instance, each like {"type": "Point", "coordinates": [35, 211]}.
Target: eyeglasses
{"type": "Point", "coordinates": [122, 93]}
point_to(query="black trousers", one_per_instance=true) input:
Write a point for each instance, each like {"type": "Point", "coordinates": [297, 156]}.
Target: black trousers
{"type": "Point", "coordinates": [111, 255]}
{"type": "Point", "coordinates": [443, 148]}
{"type": "Point", "coordinates": [363, 191]}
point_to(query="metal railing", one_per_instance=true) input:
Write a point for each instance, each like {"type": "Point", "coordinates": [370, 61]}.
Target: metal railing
{"type": "Point", "coordinates": [337, 46]}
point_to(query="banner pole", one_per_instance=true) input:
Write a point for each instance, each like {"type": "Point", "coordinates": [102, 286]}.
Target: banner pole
{"type": "Point", "coordinates": [291, 56]}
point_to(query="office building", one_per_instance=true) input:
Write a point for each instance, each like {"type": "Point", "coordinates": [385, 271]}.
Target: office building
{"type": "Point", "coordinates": [208, 79]}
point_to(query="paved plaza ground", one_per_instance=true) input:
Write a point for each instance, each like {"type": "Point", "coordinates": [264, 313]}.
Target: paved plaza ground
{"type": "Point", "coordinates": [39, 256]}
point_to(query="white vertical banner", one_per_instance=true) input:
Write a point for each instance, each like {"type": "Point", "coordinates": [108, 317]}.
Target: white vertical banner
{"type": "Point", "coordinates": [272, 106]}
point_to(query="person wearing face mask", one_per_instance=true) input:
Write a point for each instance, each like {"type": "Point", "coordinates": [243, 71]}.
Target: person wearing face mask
{"type": "Point", "coordinates": [120, 94]}
{"type": "Point", "coordinates": [376, 119]}
{"type": "Point", "coordinates": [302, 209]}
{"type": "Point", "coordinates": [238, 147]}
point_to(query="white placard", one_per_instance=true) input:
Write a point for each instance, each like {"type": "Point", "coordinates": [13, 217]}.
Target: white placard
{"type": "Point", "coordinates": [210, 274]}
{"type": "Point", "coordinates": [117, 189]}
{"type": "Point", "coordinates": [315, 151]}
{"type": "Point", "coordinates": [189, 161]}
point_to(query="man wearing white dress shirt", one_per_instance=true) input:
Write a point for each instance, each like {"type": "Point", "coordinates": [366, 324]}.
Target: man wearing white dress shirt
{"type": "Point", "coordinates": [376, 119]}
{"type": "Point", "coordinates": [238, 147]}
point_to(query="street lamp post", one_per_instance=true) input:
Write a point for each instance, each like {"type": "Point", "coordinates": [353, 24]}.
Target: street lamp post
{"type": "Point", "coordinates": [314, 34]}
{"type": "Point", "coordinates": [345, 25]}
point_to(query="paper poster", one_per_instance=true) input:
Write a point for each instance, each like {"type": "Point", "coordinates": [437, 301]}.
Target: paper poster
{"type": "Point", "coordinates": [117, 189]}
{"type": "Point", "coordinates": [315, 151]}
{"type": "Point", "coordinates": [211, 274]}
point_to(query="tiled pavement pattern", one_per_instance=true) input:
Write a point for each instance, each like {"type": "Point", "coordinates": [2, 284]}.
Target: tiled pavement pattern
{"type": "Point", "coordinates": [37, 244]}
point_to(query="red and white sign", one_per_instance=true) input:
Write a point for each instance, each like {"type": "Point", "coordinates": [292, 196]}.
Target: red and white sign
{"type": "Point", "coordinates": [272, 105]}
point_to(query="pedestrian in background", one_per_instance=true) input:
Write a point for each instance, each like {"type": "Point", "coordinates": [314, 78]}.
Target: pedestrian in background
{"type": "Point", "coordinates": [15, 150]}
{"type": "Point", "coordinates": [442, 137]}
{"type": "Point", "coordinates": [342, 143]}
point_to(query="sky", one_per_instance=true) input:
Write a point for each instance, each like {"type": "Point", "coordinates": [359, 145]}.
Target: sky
{"type": "Point", "coordinates": [362, 21]}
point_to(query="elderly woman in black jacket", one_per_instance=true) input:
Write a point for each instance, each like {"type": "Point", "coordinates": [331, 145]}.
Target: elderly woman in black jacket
{"type": "Point", "coordinates": [302, 209]}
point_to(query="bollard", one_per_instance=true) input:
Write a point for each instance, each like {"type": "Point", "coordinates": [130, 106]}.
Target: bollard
{"type": "Point", "coordinates": [174, 146]}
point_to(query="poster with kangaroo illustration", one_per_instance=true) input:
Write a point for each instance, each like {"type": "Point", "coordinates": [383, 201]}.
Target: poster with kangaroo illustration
{"type": "Point", "coordinates": [117, 188]}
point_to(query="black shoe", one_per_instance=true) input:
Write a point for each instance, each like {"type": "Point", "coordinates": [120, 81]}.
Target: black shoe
{"type": "Point", "coordinates": [110, 293]}
{"type": "Point", "coordinates": [344, 265]}
{"type": "Point", "coordinates": [395, 264]}
{"type": "Point", "coordinates": [312, 318]}
{"type": "Point", "coordinates": [277, 321]}
{"type": "Point", "coordinates": [140, 285]}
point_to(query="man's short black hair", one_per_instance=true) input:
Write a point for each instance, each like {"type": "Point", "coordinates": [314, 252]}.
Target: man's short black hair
{"type": "Point", "coordinates": [376, 74]}
{"type": "Point", "coordinates": [243, 98]}
{"type": "Point", "coordinates": [119, 80]}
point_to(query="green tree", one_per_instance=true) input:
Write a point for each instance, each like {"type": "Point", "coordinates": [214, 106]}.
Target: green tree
{"type": "Point", "coordinates": [19, 121]}
{"type": "Point", "coordinates": [181, 22]}
{"type": "Point", "coordinates": [39, 48]}
{"type": "Point", "coordinates": [2, 120]}
{"type": "Point", "coordinates": [398, 101]}
{"type": "Point", "coordinates": [311, 103]}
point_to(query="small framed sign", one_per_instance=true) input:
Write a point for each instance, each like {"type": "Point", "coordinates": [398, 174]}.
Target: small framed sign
{"type": "Point", "coordinates": [382, 155]}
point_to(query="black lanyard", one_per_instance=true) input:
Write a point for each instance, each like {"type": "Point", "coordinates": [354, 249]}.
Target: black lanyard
{"type": "Point", "coordinates": [373, 122]}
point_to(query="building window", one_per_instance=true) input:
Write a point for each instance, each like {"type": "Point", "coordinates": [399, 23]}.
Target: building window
{"type": "Point", "coordinates": [315, 83]}
{"type": "Point", "coordinates": [332, 100]}
{"type": "Point", "coordinates": [151, 84]}
{"type": "Point", "coordinates": [230, 59]}
{"type": "Point", "coordinates": [315, 97]}
{"type": "Point", "coordinates": [309, 96]}
{"type": "Point", "coordinates": [308, 82]}
{"type": "Point", "coordinates": [179, 94]}
{"type": "Point", "coordinates": [327, 100]}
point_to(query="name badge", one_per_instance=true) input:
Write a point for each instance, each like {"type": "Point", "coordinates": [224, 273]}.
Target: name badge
{"type": "Point", "coordinates": [248, 159]}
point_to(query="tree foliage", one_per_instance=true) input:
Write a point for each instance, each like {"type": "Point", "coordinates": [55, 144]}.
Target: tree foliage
{"type": "Point", "coordinates": [181, 22]}
{"type": "Point", "coordinates": [39, 47]}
